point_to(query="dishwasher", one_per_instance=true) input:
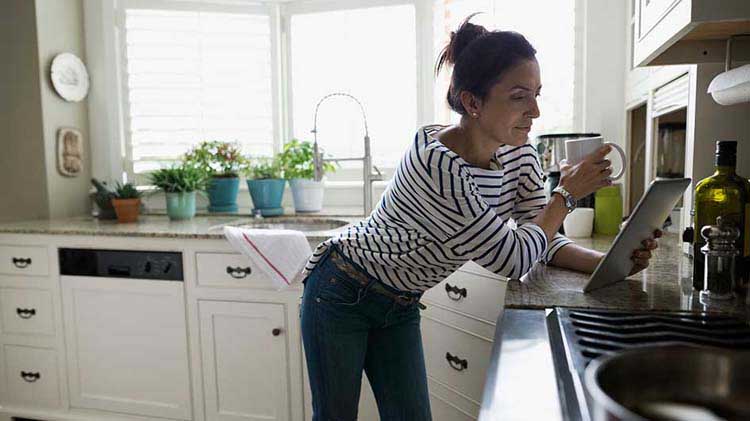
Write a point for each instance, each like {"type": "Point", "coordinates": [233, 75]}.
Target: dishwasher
{"type": "Point", "coordinates": [125, 331]}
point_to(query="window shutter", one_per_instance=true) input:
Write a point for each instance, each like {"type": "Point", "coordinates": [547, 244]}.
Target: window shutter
{"type": "Point", "coordinates": [194, 76]}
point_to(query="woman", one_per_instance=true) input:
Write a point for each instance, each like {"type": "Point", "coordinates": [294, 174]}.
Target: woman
{"type": "Point", "coordinates": [448, 202]}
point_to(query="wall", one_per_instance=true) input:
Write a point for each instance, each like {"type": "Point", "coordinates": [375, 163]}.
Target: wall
{"type": "Point", "coordinates": [603, 77]}
{"type": "Point", "coordinates": [23, 191]}
{"type": "Point", "coordinates": [60, 29]}
{"type": "Point", "coordinates": [32, 33]}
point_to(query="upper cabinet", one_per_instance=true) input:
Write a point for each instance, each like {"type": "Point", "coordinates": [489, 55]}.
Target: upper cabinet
{"type": "Point", "coordinates": [689, 31]}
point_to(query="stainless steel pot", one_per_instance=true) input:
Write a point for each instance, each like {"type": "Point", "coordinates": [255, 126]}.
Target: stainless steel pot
{"type": "Point", "coordinates": [670, 383]}
{"type": "Point", "coordinates": [551, 148]}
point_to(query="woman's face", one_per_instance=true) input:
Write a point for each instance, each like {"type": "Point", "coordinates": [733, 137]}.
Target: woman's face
{"type": "Point", "coordinates": [506, 114]}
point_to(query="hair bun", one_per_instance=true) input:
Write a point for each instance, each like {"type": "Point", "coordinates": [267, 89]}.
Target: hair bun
{"type": "Point", "coordinates": [459, 40]}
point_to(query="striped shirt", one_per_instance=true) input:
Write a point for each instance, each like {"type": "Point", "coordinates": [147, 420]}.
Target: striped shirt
{"type": "Point", "coordinates": [439, 211]}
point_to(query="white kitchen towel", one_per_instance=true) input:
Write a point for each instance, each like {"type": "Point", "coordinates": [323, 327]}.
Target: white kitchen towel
{"type": "Point", "coordinates": [280, 254]}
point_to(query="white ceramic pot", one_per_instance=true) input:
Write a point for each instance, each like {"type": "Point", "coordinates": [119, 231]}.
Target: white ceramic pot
{"type": "Point", "coordinates": [307, 195]}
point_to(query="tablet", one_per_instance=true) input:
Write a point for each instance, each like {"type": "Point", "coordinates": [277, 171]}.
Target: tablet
{"type": "Point", "coordinates": [648, 216]}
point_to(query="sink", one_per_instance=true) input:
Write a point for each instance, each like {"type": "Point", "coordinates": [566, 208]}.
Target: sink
{"type": "Point", "coordinates": [298, 224]}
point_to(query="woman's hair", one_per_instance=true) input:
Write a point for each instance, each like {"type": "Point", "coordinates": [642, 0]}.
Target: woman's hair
{"type": "Point", "coordinates": [480, 58]}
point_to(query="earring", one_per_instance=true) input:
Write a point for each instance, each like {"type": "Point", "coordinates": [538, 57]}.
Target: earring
{"type": "Point", "coordinates": [475, 115]}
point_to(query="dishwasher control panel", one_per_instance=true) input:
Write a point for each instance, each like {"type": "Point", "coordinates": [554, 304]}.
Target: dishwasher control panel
{"type": "Point", "coordinates": [156, 265]}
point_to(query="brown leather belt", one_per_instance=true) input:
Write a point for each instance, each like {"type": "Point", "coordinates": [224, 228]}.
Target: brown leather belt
{"type": "Point", "coordinates": [362, 279]}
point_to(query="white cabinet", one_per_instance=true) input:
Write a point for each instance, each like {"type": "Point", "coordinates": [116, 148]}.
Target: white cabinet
{"type": "Point", "coordinates": [127, 346]}
{"type": "Point", "coordinates": [30, 377]}
{"type": "Point", "coordinates": [687, 31]}
{"type": "Point", "coordinates": [23, 260]}
{"type": "Point", "coordinates": [457, 331]}
{"type": "Point", "coordinates": [244, 360]}
{"type": "Point", "coordinates": [26, 311]}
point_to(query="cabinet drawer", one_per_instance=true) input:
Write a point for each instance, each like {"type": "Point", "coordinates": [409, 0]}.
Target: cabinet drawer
{"type": "Point", "coordinates": [31, 376]}
{"type": "Point", "coordinates": [475, 295]}
{"type": "Point", "coordinates": [455, 357]}
{"type": "Point", "coordinates": [26, 311]}
{"type": "Point", "coordinates": [448, 405]}
{"type": "Point", "coordinates": [229, 270]}
{"type": "Point", "coordinates": [24, 260]}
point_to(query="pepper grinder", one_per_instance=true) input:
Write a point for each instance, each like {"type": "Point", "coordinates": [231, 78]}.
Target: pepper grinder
{"type": "Point", "coordinates": [720, 252]}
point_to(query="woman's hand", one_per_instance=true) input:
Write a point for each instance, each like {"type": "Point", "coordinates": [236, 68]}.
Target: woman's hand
{"type": "Point", "coordinates": [641, 256]}
{"type": "Point", "coordinates": [587, 176]}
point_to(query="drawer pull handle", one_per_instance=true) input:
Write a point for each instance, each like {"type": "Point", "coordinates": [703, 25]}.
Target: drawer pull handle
{"type": "Point", "coordinates": [276, 332]}
{"type": "Point", "coordinates": [25, 313]}
{"type": "Point", "coordinates": [29, 376]}
{"type": "Point", "coordinates": [458, 293]}
{"type": "Point", "coordinates": [21, 263]}
{"type": "Point", "coordinates": [238, 272]}
{"type": "Point", "coordinates": [456, 363]}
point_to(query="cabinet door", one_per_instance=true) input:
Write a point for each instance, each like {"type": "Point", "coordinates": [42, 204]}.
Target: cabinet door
{"type": "Point", "coordinates": [653, 11]}
{"type": "Point", "coordinates": [127, 346]}
{"type": "Point", "coordinates": [245, 367]}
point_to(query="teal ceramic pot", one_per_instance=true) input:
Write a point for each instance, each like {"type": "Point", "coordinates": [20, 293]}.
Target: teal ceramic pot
{"type": "Point", "coordinates": [267, 195]}
{"type": "Point", "coordinates": [222, 194]}
{"type": "Point", "coordinates": [181, 205]}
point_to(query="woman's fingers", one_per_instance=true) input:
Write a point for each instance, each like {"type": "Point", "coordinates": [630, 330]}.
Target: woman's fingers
{"type": "Point", "coordinates": [650, 244]}
{"type": "Point", "coordinates": [642, 254]}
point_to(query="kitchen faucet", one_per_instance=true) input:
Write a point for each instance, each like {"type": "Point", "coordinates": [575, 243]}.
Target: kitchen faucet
{"type": "Point", "coordinates": [368, 177]}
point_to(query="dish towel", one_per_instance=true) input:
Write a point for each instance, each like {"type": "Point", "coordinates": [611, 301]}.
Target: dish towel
{"type": "Point", "coordinates": [280, 254]}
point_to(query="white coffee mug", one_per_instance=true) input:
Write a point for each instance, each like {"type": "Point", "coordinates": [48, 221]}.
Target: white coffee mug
{"type": "Point", "coordinates": [577, 149]}
{"type": "Point", "coordinates": [579, 223]}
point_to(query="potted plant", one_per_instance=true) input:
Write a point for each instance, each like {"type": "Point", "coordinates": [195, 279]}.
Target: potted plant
{"type": "Point", "coordinates": [103, 199]}
{"type": "Point", "coordinates": [127, 202]}
{"type": "Point", "coordinates": [221, 162]}
{"type": "Point", "coordinates": [266, 185]}
{"type": "Point", "coordinates": [299, 168]}
{"type": "Point", "coordinates": [180, 184]}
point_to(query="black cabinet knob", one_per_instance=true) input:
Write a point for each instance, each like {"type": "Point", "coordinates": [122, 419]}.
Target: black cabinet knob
{"type": "Point", "coordinates": [276, 332]}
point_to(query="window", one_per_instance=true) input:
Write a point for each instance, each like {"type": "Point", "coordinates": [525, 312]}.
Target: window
{"type": "Point", "coordinates": [369, 53]}
{"type": "Point", "coordinates": [194, 76]}
{"type": "Point", "coordinates": [253, 71]}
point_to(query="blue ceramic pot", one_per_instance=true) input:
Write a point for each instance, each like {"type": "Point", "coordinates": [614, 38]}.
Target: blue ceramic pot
{"type": "Point", "coordinates": [267, 195]}
{"type": "Point", "coordinates": [222, 194]}
{"type": "Point", "coordinates": [181, 205]}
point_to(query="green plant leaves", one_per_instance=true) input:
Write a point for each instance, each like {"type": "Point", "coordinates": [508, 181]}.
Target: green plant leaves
{"type": "Point", "coordinates": [216, 159]}
{"type": "Point", "coordinates": [126, 191]}
{"type": "Point", "coordinates": [183, 178]}
{"type": "Point", "coordinates": [297, 160]}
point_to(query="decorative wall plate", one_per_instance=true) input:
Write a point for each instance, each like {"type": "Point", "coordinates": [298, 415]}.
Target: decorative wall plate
{"type": "Point", "coordinates": [69, 77]}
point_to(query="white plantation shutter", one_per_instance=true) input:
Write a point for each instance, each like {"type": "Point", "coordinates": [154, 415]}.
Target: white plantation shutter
{"type": "Point", "coordinates": [193, 76]}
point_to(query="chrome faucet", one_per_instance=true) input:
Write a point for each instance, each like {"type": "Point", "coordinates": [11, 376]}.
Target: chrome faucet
{"type": "Point", "coordinates": [368, 177]}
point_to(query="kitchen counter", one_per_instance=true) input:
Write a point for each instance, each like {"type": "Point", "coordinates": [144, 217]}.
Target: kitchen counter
{"type": "Point", "coordinates": [665, 285]}
{"type": "Point", "coordinates": [521, 381]}
{"type": "Point", "coordinates": [160, 226]}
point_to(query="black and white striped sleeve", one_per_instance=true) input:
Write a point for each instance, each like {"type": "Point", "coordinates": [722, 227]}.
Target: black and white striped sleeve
{"type": "Point", "coordinates": [453, 212]}
{"type": "Point", "coordinates": [530, 200]}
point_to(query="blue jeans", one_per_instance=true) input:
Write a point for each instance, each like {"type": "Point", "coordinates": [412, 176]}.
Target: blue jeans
{"type": "Point", "coordinates": [348, 328]}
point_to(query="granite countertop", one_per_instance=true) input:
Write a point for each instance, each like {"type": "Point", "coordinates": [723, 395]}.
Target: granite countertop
{"type": "Point", "coordinates": [160, 226]}
{"type": "Point", "coordinates": [665, 285]}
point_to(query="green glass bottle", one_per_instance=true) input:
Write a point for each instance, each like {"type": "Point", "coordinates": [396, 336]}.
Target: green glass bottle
{"type": "Point", "coordinates": [723, 194]}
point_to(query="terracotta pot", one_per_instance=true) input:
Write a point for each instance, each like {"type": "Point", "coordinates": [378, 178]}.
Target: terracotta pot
{"type": "Point", "coordinates": [126, 209]}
